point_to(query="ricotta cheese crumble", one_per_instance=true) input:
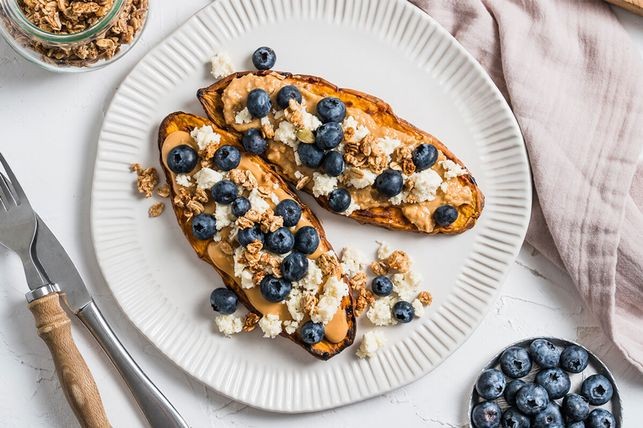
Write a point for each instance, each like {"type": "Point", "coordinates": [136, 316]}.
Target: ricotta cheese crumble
{"type": "Point", "coordinates": [221, 65]}
{"type": "Point", "coordinates": [452, 169]}
{"type": "Point", "coordinates": [270, 324]}
{"type": "Point", "coordinates": [205, 135]}
{"type": "Point", "coordinates": [243, 117]}
{"type": "Point", "coordinates": [183, 180]}
{"type": "Point", "coordinates": [372, 342]}
{"type": "Point", "coordinates": [228, 324]}
{"type": "Point", "coordinates": [323, 184]}
{"type": "Point", "coordinates": [207, 177]}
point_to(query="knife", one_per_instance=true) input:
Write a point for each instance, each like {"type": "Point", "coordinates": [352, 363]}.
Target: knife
{"type": "Point", "coordinates": [61, 270]}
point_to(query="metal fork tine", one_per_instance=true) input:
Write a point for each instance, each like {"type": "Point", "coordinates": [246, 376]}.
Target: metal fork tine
{"type": "Point", "coordinates": [6, 197]}
{"type": "Point", "coordinates": [21, 197]}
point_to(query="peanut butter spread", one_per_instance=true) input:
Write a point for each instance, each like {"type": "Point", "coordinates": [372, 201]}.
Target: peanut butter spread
{"type": "Point", "coordinates": [368, 149]}
{"type": "Point", "coordinates": [221, 251]}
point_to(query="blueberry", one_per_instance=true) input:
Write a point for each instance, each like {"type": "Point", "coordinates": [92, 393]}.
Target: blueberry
{"type": "Point", "coordinates": [227, 157]}
{"type": "Point", "coordinates": [515, 362]}
{"type": "Point", "coordinates": [306, 240]}
{"type": "Point", "coordinates": [424, 156]}
{"type": "Point", "coordinates": [381, 285]}
{"type": "Point", "coordinates": [312, 332]}
{"type": "Point", "coordinates": [600, 418]}
{"type": "Point", "coordinates": [290, 211]}
{"type": "Point", "coordinates": [490, 384]}
{"type": "Point", "coordinates": [486, 415]}
{"type": "Point", "coordinates": [329, 135]}
{"type": "Point", "coordinates": [331, 109]}
{"type": "Point", "coordinates": [575, 407]}
{"type": "Point", "coordinates": [544, 353]}
{"type": "Point", "coordinates": [444, 215]}
{"type": "Point", "coordinates": [294, 267]}
{"type": "Point", "coordinates": [403, 312]}
{"type": "Point", "coordinates": [224, 301]}
{"type": "Point", "coordinates": [253, 142]}
{"type": "Point", "coordinates": [287, 93]}
{"type": "Point", "coordinates": [574, 359]}
{"type": "Point", "coordinates": [182, 159]}
{"type": "Point", "coordinates": [532, 399]}
{"type": "Point", "coordinates": [512, 389]}
{"type": "Point", "coordinates": [224, 192]}
{"type": "Point", "coordinates": [259, 103]}
{"type": "Point", "coordinates": [579, 424]}
{"type": "Point", "coordinates": [512, 418]}
{"type": "Point", "coordinates": [264, 58]}
{"type": "Point", "coordinates": [333, 163]}
{"type": "Point", "coordinates": [549, 417]}
{"type": "Point", "coordinates": [204, 226]}
{"type": "Point", "coordinates": [240, 206]}
{"type": "Point", "coordinates": [339, 200]}
{"type": "Point", "coordinates": [389, 183]}
{"type": "Point", "coordinates": [597, 389]}
{"type": "Point", "coordinates": [555, 381]}
{"type": "Point", "coordinates": [280, 241]}
{"type": "Point", "coordinates": [249, 235]}
{"type": "Point", "coordinates": [310, 155]}
{"type": "Point", "coordinates": [274, 289]}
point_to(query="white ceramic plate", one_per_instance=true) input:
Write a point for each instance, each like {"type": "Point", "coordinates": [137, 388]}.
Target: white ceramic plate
{"type": "Point", "coordinates": [386, 48]}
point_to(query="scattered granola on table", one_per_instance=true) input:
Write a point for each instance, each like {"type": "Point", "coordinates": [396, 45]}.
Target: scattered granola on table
{"type": "Point", "coordinates": [64, 17]}
{"type": "Point", "coordinates": [156, 209]}
{"type": "Point", "coordinates": [146, 179]}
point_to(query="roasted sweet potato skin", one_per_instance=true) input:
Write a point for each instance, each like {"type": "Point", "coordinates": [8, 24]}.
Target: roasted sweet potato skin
{"type": "Point", "coordinates": [390, 217]}
{"type": "Point", "coordinates": [180, 121]}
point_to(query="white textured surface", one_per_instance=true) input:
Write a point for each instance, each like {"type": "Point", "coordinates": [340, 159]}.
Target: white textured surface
{"type": "Point", "coordinates": [147, 270]}
{"type": "Point", "coordinates": [50, 123]}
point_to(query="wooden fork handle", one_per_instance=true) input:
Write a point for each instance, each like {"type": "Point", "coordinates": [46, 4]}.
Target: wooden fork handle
{"type": "Point", "coordinates": [54, 327]}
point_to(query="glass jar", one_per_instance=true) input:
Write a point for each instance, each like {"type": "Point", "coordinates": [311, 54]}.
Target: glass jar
{"type": "Point", "coordinates": [83, 36]}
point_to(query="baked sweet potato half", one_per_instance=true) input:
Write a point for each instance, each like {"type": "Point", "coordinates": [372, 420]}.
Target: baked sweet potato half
{"type": "Point", "coordinates": [227, 203]}
{"type": "Point", "coordinates": [381, 170]}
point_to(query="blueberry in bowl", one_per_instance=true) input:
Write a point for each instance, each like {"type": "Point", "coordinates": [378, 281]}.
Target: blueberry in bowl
{"type": "Point", "coordinates": [549, 417]}
{"type": "Point", "coordinates": [512, 418]}
{"type": "Point", "coordinates": [597, 389]}
{"type": "Point", "coordinates": [544, 353]}
{"type": "Point", "coordinates": [515, 362]}
{"type": "Point", "coordinates": [486, 415]}
{"type": "Point", "coordinates": [555, 381]}
{"type": "Point", "coordinates": [575, 407]}
{"type": "Point", "coordinates": [532, 399]}
{"type": "Point", "coordinates": [574, 359]}
{"type": "Point", "coordinates": [600, 418]}
{"type": "Point", "coordinates": [512, 389]}
{"type": "Point", "coordinates": [491, 384]}
{"type": "Point", "coordinates": [264, 58]}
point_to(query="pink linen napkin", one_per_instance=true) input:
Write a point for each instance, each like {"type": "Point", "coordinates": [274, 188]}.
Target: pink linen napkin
{"type": "Point", "coordinates": [575, 83]}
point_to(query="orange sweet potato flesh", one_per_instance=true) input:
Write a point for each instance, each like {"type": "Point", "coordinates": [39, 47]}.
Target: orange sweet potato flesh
{"type": "Point", "coordinates": [180, 121]}
{"type": "Point", "coordinates": [389, 216]}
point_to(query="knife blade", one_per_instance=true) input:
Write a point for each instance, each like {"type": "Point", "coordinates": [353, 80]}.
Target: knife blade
{"type": "Point", "coordinates": [60, 268]}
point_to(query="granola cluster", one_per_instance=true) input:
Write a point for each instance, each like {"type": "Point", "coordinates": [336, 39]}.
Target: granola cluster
{"type": "Point", "coordinates": [147, 180]}
{"type": "Point", "coordinates": [397, 261]}
{"type": "Point", "coordinates": [74, 16]}
{"type": "Point", "coordinates": [191, 200]}
{"type": "Point", "coordinates": [365, 153]}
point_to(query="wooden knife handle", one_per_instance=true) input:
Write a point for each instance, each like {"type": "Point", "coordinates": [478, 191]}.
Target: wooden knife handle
{"type": "Point", "coordinates": [54, 327]}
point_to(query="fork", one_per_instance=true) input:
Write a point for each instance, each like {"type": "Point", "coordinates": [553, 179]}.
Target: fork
{"type": "Point", "coordinates": [18, 229]}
